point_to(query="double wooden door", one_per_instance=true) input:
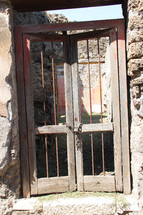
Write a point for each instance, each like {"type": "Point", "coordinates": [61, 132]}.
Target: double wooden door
{"type": "Point", "coordinates": [79, 133]}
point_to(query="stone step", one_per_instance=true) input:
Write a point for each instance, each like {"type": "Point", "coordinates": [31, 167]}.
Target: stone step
{"type": "Point", "coordinates": [90, 205]}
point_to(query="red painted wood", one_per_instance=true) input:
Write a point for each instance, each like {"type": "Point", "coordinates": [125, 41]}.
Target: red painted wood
{"type": "Point", "coordinates": [69, 26]}
{"type": "Point", "coordinates": [30, 115]}
{"type": "Point", "coordinates": [22, 115]}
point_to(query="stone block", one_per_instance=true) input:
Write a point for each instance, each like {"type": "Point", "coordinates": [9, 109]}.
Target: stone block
{"type": "Point", "coordinates": [134, 5]}
{"type": "Point", "coordinates": [135, 50]}
{"type": "Point", "coordinates": [135, 21]}
{"type": "Point", "coordinates": [104, 204]}
{"type": "Point", "coordinates": [134, 36]}
{"type": "Point", "coordinates": [135, 66]}
{"type": "Point", "coordinates": [137, 140]}
{"type": "Point", "coordinates": [4, 143]}
{"type": "Point", "coordinates": [3, 20]}
{"type": "Point", "coordinates": [5, 61]}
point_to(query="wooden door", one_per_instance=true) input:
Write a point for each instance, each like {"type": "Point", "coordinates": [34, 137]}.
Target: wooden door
{"type": "Point", "coordinates": [102, 134]}
{"type": "Point", "coordinates": [82, 137]}
{"type": "Point", "coordinates": [49, 181]}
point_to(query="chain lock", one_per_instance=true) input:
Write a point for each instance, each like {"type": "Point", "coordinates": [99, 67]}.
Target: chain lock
{"type": "Point", "coordinates": [77, 131]}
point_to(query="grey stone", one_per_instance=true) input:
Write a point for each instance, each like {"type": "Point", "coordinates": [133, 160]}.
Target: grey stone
{"type": "Point", "coordinates": [135, 66]}
{"type": "Point", "coordinates": [28, 18]}
{"type": "Point", "coordinates": [113, 205]}
{"type": "Point", "coordinates": [135, 50]}
{"type": "Point", "coordinates": [9, 138]}
{"type": "Point", "coordinates": [4, 143]}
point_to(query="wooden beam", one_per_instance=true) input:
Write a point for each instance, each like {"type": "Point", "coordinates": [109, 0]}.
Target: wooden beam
{"type": "Point", "coordinates": [77, 114]}
{"type": "Point", "coordinates": [53, 185]}
{"type": "Point", "coordinates": [30, 115]}
{"type": "Point", "coordinates": [97, 127]}
{"type": "Point", "coordinates": [69, 26]}
{"type": "Point", "coordinates": [22, 116]}
{"type": "Point", "coordinates": [45, 37]}
{"type": "Point", "coordinates": [51, 129]}
{"type": "Point", "coordinates": [69, 114]}
{"type": "Point", "coordinates": [116, 109]}
{"type": "Point", "coordinates": [99, 183]}
{"type": "Point", "coordinates": [124, 110]}
{"type": "Point", "coordinates": [91, 34]}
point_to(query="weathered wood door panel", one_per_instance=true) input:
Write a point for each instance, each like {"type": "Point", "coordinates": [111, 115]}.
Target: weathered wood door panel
{"type": "Point", "coordinates": [94, 182]}
{"type": "Point", "coordinates": [49, 184]}
{"type": "Point", "coordinates": [79, 133]}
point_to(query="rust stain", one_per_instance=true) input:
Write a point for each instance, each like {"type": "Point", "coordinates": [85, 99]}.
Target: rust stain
{"type": "Point", "coordinates": [75, 119]}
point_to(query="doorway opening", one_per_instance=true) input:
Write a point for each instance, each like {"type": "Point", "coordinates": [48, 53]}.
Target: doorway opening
{"type": "Point", "coordinates": [72, 107]}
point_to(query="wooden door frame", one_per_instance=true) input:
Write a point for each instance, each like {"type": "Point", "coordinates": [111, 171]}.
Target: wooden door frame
{"type": "Point", "coordinates": [20, 32]}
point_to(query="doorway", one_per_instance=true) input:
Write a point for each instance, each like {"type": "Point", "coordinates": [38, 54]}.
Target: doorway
{"type": "Point", "coordinates": [81, 144]}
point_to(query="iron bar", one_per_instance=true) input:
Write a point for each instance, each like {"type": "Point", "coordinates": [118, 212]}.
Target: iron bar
{"type": "Point", "coordinates": [55, 111]}
{"type": "Point", "coordinates": [44, 109]}
{"type": "Point", "coordinates": [90, 100]}
{"type": "Point", "coordinates": [102, 135]}
{"type": "Point", "coordinates": [82, 63]}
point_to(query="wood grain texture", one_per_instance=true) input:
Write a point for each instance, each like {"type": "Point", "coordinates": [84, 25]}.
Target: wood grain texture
{"type": "Point", "coordinates": [116, 109]}
{"type": "Point", "coordinates": [124, 110]}
{"type": "Point", "coordinates": [22, 115]}
{"type": "Point", "coordinates": [97, 127]}
{"type": "Point", "coordinates": [99, 183]}
{"type": "Point", "coordinates": [77, 114]}
{"type": "Point", "coordinates": [69, 114]}
{"type": "Point", "coordinates": [53, 185]}
{"type": "Point", "coordinates": [51, 129]}
{"type": "Point", "coordinates": [30, 116]}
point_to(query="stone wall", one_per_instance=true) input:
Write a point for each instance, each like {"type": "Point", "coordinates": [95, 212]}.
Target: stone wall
{"type": "Point", "coordinates": [9, 138]}
{"type": "Point", "coordinates": [134, 36]}
{"type": "Point", "coordinates": [9, 133]}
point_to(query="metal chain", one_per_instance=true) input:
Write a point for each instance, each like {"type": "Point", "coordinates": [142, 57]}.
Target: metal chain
{"type": "Point", "coordinates": [77, 131]}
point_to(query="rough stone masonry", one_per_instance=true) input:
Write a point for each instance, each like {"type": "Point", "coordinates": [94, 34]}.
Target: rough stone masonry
{"type": "Point", "coordinates": [134, 36]}
{"type": "Point", "coordinates": [9, 132]}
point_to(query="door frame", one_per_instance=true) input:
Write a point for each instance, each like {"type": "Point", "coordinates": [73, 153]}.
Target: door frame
{"type": "Point", "coordinates": [21, 32]}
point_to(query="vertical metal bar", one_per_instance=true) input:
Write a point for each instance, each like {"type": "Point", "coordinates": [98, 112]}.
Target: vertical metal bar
{"type": "Point", "coordinates": [90, 100]}
{"type": "Point", "coordinates": [102, 135]}
{"type": "Point", "coordinates": [44, 109]}
{"type": "Point", "coordinates": [55, 111]}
